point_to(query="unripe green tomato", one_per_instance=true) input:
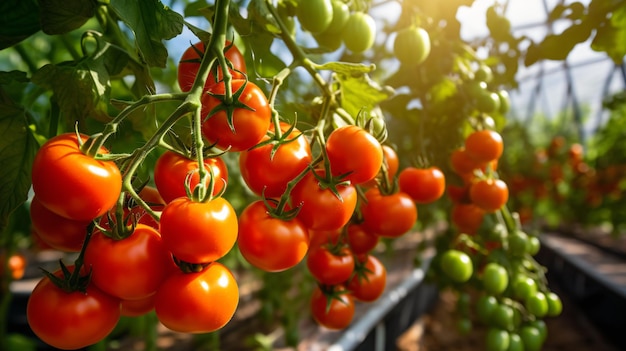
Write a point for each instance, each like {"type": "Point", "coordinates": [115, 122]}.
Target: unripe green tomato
{"type": "Point", "coordinates": [495, 278]}
{"type": "Point", "coordinates": [518, 243]}
{"type": "Point", "coordinates": [488, 102]}
{"type": "Point", "coordinates": [341, 13]}
{"type": "Point", "coordinates": [540, 324]}
{"type": "Point", "coordinates": [483, 74]}
{"type": "Point", "coordinates": [497, 340]}
{"type": "Point", "coordinates": [537, 304]}
{"type": "Point", "coordinates": [516, 343]}
{"type": "Point", "coordinates": [315, 15]}
{"type": "Point", "coordinates": [505, 102]}
{"type": "Point", "coordinates": [533, 245]}
{"type": "Point", "coordinates": [524, 286]}
{"type": "Point", "coordinates": [359, 32]}
{"type": "Point", "coordinates": [457, 265]}
{"type": "Point", "coordinates": [411, 45]}
{"type": "Point", "coordinates": [531, 337]}
{"type": "Point", "coordinates": [555, 306]}
{"type": "Point", "coordinates": [328, 41]}
{"type": "Point", "coordinates": [503, 317]}
{"type": "Point", "coordinates": [485, 305]}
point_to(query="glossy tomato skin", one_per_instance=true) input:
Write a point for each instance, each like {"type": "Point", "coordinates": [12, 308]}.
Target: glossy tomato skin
{"type": "Point", "coordinates": [329, 268]}
{"type": "Point", "coordinates": [359, 32]}
{"type": "Point", "coordinates": [423, 185]}
{"type": "Point", "coordinates": [336, 315]}
{"type": "Point", "coordinates": [199, 232]}
{"type": "Point", "coordinates": [138, 307]}
{"type": "Point", "coordinates": [129, 268]}
{"type": "Point", "coordinates": [266, 174]}
{"type": "Point", "coordinates": [371, 284]}
{"type": "Point", "coordinates": [467, 217]}
{"type": "Point", "coordinates": [250, 126]}
{"type": "Point", "coordinates": [388, 215]}
{"type": "Point", "coordinates": [484, 145]}
{"type": "Point", "coordinates": [73, 320]}
{"type": "Point", "coordinates": [269, 243]}
{"type": "Point", "coordinates": [390, 159]}
{"type": "Point", "coordinates": [412, 45]}
{"type": "Point", "coordinates": [190, 63]}
{"type": "Point", "coordinates": [58, 232]}
{"type": "Point", "coordinates": [72, 184]}
{"type": "Point", "coordinates": [361, 239]}
{"type": "Point", "coordinates": [353, 151]}
{"type": "Point", "coordinates": [200, 302]}
{"type": "Point", "coordinates": [320, 209]}
{"type": "Point", "coordinates": [315, 15]}
{"type": "Point", "coordinates": [172, 170]}
{"type": "Point", "coordinates": [489, 194]}
{"type": "Point", "coordinates": [324, 237]}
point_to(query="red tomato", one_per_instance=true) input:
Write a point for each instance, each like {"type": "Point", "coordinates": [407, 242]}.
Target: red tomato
{"type": "Point", "coordinates": [370, 284]}
{"type": "Point", "coordinates": [130, 268]}
{"type": "Point", "coordinates": [190, 63]}
{"type": "Point", "coordinates": [462, 163]}
{"type": "Point", "coordinates": [139, 307]}
{"type": "Point", "coordinates": [72, 320]}
{"type": "Point", "coordinates": [353, 151]}
{"type": "Point", "coordinates": [172, 170]}
{"type": "Point", "coordinates": [388, 215]}
{"type": "Point", "coordinates": [72, 184]}
{"type": "Point", "coordinates": [484, 145]}
{"type": "Point", "coordinates": [58, 232]}
{"type": "Point", "coordinates": [270, 243]}
{"type": "Point", "coordinates": [199, 232]}
{"type": "Point", "coordinates": [336, 314]}
{"type": "Point", "coordinates": [249, 124]}
{"type": "Point", "coordinates": [320, 208]}
{"type": "Point", "coordinates": [489, 194]}
{"type": "Point", "coordinates": [361, 239]}
{"type": "Point", "coordinates": [200, 302]}
{"type": "Point", "coordinates": [458, 194]}
{"type": "Point", "coordinates": [423, 185]}
{"type": "Point", "coordinates": [329, 268]}
{"type": "Point", "coordinates": [267, 171]}
{"type": "Point", "coordinates": [323, 237]}
{"type": "Point", "coordinates": [467, 217]}
{"type": "Point", "coordinates": [16, 264]}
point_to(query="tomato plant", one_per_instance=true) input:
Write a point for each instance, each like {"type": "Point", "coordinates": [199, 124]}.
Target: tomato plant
{"type": "Point", "coordinates": [343, 144]}
{"type": "Point", "coordinates": [189, 63]}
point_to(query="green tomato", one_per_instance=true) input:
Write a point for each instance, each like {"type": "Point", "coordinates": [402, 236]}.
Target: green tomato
{"type": "Point", "coordinates": [555, 306]}
{"type": "Point", "coordinates": [328, 41]}
{"type": "Point", "coordinates": [518, 243]}
{"type": "Point", "coordinates": [540, 324]}
{"type": "Point", "coordinates": [485, 305]}
{"type": "Point", "coordinates": [495, 278]}
{"type": "Point", "coordinates": [497, 340]}
{"type": "Point", "coordinates": [411, 45]}
{"type": "Point", "coordinates": [503, 317]}
{"type": "Point", "coordinates": [516, 343]}
{"type": "Point", "coordinates": [487, 102]}
{"type": "Point", "coordinates": [524, 286]}
{"type": "Point", "coordinates": [533, 245]}
{"type": "Point", "coordinates": [315, 15]}
{"type": "Point", "coordinates": [531, 337]}
{"type": "Point", "coordinates": [341, 13]}
{"type": "Point", "coordinates": [457, 265]}
{"type": "Point", "coordinates": [537, 304]}
{"type": "Point", "coordinates": [505, 102]}
{"type": "Point", "coordinates": [359, 32]}
{"type": "Point", "coordinates": [483, 74]}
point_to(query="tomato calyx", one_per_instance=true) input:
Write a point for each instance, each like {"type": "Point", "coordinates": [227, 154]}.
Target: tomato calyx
{"type": "Point", "coordinates": [333, 292]}
{"type": "Point", "coordinates": [228, 106]}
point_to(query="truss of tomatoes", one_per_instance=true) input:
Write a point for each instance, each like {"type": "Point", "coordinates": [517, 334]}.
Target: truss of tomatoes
{"type": "Point", "coordinates": [134, 263]}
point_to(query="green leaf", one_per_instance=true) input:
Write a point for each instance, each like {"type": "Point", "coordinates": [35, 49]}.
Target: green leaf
{"type": "Point", "coordinates": [346, 68]}
{"type": "Point", "coordinates": [558, 46]}
{"type": "Point", "coordinates": [611, 40]}
{"type": "Point", "coordinates": [152, 22]}
{"type": "Point", "coordinates": [62, 16]}
{"type": "Point", "coordinates": [359, 92]}
{"type": "Point", "coordinates": [13, 76]}
{"type": "Point", "coordinates": [17, 151]}
{"type": "Point", "coordinates": [81, 89]}
{"type": "Point", "coordinates": [19, 19]}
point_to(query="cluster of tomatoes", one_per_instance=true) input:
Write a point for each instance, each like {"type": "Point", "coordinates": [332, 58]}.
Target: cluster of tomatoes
{"type": "Point", "coordinates": [493, 263]}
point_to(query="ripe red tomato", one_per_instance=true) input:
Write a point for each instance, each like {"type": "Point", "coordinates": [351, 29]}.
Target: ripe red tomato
{"type": "Point", "coordinates": [467, 217]}
{"type": "Point", "coordinates": [484, 145]}
{"type": "Point", "coordinates": [336, 313]}
{"type": "Point", "coordinates": [320, 208]}
{"type": "Point", "coordinates": [190, 63]}
{"type": "Point", "coordinates": [370, 283]}
{"type": "Point", "coordinates": [138, 307]}
{"type": "Point", "coordinates": [58, 232]}
{"type": "Point", "coordinates": [489, 194]}
{"type": "Point", "coordinates": [361, 239]}
{"type": "Point", "coordinates": [199, 232]}
{"type": "Point", "coordinates": [72, 320]}
{"type": "Point", "coordinates": [423, 185]}
{"type": "Point", "coordinates": [199, 302]}
{"type": "Point", "coordinates": [323, 237]}
{"type": "Point", "coordinates": [249, 124]}
{"type": "Point", "coordinates": [329, 268]}
{"type": "Point", "coordinates": [270, 243]}
{"type": "Point", "coordinates": [390, 158]}
{"type": "Point", "coordinates": [72, 184]}
{"type": "Point", "coordinates": [388, 215]}
{"type": "Point", "coordinates": [353, 151]}
{"type": "Point", "coordinates": [130, 268]}
{"type": "Point", "coordinates": [463, 164]}
{"type": "Point", "coordinates": [172, 170]}
{"type": "Point", "coordinates": [267, 172]}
